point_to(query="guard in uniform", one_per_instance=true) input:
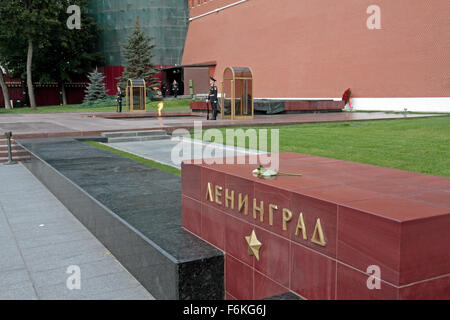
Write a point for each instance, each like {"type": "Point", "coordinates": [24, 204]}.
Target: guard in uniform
{"type": "Point", "coordinates": [119, 99]}
{"type": "Point", "coordinates": [175, 88]}
{"type": "Point", "coordinates": [213, 98]}
{"type": "Point", "coordinates": [163, 89]}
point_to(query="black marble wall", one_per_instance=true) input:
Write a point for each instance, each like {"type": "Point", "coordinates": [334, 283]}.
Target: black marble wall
{"type": "Point", "coordinates": [135, 211]}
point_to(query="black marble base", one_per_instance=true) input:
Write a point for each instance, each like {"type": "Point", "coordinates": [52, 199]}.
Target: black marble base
{"type": "Point", "coordinates": [285, 296]}
{"type": "Point", "coordinates": [135, 211]}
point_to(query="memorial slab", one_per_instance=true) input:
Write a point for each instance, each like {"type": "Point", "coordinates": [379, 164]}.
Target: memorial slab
{"type": "Point", "coordinates": [342, 230]}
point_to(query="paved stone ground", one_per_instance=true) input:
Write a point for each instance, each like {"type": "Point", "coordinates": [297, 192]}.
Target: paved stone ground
{"type": "Point", "coordinates": [40, 239]}
{"type": "Point", "coordinates": [43, 125]}
{"type": "Point", "coordinates": [161, 150]}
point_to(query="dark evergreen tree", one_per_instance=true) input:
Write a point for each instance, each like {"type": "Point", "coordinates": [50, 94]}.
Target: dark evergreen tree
{"type": "Point", "coordinates": [138, 58]}
{"type": "Point", "coordinates": [96, 89]}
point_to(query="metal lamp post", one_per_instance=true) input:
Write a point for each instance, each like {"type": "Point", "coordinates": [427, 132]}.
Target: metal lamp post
{"type": "Point", "coordinates": [8, 138]}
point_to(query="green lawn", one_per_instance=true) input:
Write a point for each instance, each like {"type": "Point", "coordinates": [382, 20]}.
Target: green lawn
{"type": "Point", "coordinates": [58, 109]}
{"type": "Point", "coordinates": [418, 145]}
{"type": "Point", "coordinates": [169, 105]}
{"type": "Point", "coordinates": [142, 160]}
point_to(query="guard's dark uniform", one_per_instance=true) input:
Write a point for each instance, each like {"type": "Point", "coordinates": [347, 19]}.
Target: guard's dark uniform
{"type": "Point", "coordinates": [175, 88]}
{"type": "Point", "coordinates": [119, 100]}
{"type": "Point", "coordinates": [213, 100]}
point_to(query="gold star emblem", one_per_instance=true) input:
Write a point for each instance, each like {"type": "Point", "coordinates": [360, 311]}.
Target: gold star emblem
{"type": "Point", "coordinates": [253, 245]}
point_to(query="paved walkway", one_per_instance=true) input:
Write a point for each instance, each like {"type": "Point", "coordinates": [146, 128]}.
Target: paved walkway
{"type": "Point", "coordinates": [183, 149]}
{"type": "Point", "coordinates": [44, 125]}
{"type": "Point", "coordinates": [40, 239]}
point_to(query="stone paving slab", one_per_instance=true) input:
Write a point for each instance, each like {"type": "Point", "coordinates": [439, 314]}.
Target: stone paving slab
{"type": "Point", "coordinates": [40, 238]}
{"type": "Point", "coordinates": [161, 150]}
{"type": "Point", "coordinates": [82, 124]}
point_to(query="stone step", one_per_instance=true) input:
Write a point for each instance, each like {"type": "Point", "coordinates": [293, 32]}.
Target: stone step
{"type": "Point", "coordinates": [13, 147]}
{"type": "Point", "coordinates": [4, 141]}
{"type": "Point", "coordinates": [133, 133]}
{"type": "Point", "coordinates": [15, 153]}
{"type": "Point", "coordinates": [18, 158]}
{"type": "Point", "coordinates": [137, 139]}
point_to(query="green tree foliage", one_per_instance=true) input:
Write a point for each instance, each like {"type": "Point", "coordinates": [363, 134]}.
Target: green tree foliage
{"type": "Point", "coordinates": [69, 54]}
{"type": "Point", "coordinates": [138, 58]}
{"type": "Point", "coordinates": [36, 44]}
{"type": "Point", "coordinates": [29, 24]}
{"type": "Point", "coordinates": [96, 89]}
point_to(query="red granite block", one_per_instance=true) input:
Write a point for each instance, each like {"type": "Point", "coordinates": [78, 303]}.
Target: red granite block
{"type": "Point", "coordinates": [292, 183]}
{"type": "Point", "coordinates": [299, 105]}
{"type": "Point", "coordinates": [407, 239]}
{"type": "Point", "coordinates": [307, 169]}
{"type": "Point", "coordinates": [339, 194]}
{"type": "Point", "coordinates": [365, 239]}
{"type": "Point", "coordinates": [235, 243]}
{"type": "Point", "coordinates": [398, 209]}
{"type": "Point", "coordinates": [191, 215]}
{"type": "Point", "coordinates": [318, 160]}
{"type": "Point", "coordinates": [229, 296]}
{"type": "Point", "coordinates": [313, 275]}
{"type": "Point", "coordinates": [244, 171]}
{"type": "Point", "coordinates": [312, 210]}
{"type": "Point", "coordinates": [425, 249]}
{"type": "Point", "coordinates": [337, 176]}
{"type": "Point", "coordinates": [239, 279]}
{"type": "Point", "coordinates": [265, 288]}
{"type": "Point", "coordinates": [363, 225]}
{"type": "Point", "coordinates": [368, 172]}
{"type": "Point", "coordinates": [439, 198]}
{"type": "Point", "coordinates": [191, 181]}
{"type": "Point", "coordinates": [435, 289]}
{"type": "Point", "coordinates": [388, 187]}
{"type": "Point", "coordinates": [430, 181]}
{"type": "Point", "coordinates": [274, 256]}
{"type": "Point", "coordinates": [293, 155]}
{"type": "Point", "coordinates": [213, 226]}
{"type": "Point", "coordinates": [245, 188]}
{"type": "Point", "coordinates": [215, 178]}
{"type": "Point", "coordinates": [350, 167]}
{"type": "Point", "coordinates": [390, 173]}
{"type": "Point", "coordinates": [310, 171]}
{"type": "Point", "coordinates": [276, 197]}
{"type": "Point", "coordinates": [351, 284]}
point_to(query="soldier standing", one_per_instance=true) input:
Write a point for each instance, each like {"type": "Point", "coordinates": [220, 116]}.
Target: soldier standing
{"type": "Point", "coordinates": [163, 89]}
{"type": "Point", "coordinates": [213, 98]}
{"type": "Point", "coordinates": [119, 99]}
{"type": "Point", "coordinates": [175, 88]}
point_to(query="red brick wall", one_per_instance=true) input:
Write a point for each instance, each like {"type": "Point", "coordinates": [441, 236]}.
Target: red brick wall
{"type": "Point", "coordinates": [113, 72]}
{"type": "Point", "coordinates": [311, 48]}
{"type": "Point", "coordinates": [46, 95]}
{"type": "Point", "coordinates": [199, 7]}
{"type": "Point", "coordinates": [200, 77]}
